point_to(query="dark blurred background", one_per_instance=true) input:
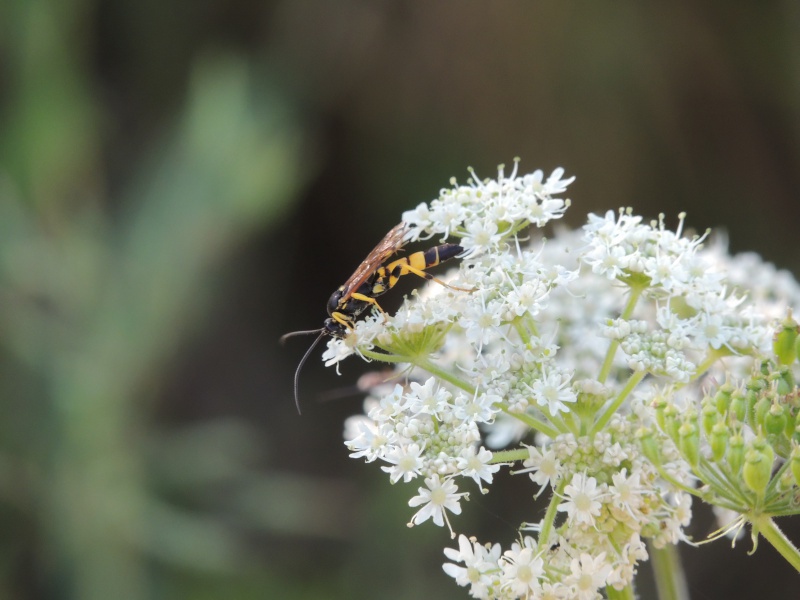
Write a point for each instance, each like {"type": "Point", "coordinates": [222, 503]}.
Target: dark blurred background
{"type": "Point", "coordinates": [182, 182]}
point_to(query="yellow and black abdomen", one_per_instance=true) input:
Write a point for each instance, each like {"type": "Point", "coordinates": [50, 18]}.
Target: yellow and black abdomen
{"type": "Point", "coordinates": [386, 277]}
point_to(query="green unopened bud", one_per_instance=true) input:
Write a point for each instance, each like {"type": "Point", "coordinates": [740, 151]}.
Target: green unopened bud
{"type": "Point", "coordinates": [763, 367]}
{"type": "Point", "coordinates": [738, 405]}
{"type": "Point", "coordinates": [660, 404]}
{"type": "Point", "coordinates": [710, 417]}
{"type": "Point", "coordinates": [786, 382]}
{"type": "Point", "coordinates": [759, 381]}
{"type": "Point", "coordinates": [689, 442]}
{"type": "Point", "coordinates": [797, 346]}
{"type": "Point", "coordinates": [760, 444]}
{"type": "Point", "coordinates": [795, 464]}
{"type": "Point", "coordinates": [751, 398]}
{"type": "Point", "coordinates": [757, 471]}
{"type": "Point", "coordinates": [719, 440]}
{"type": "Point", "coordinates": [784, 341]}
{"type": "Point", "coordinates": [723, 398]}
{"type": "Point", "coordinates": [649, 445]}
{"type": "Point", "coordinates": [761, 410]}
{"type": "Point", "coordinates": [775, 419]}
{"type": "Point", "coordinates": [786, 481]}
{"type": "Point", "coordinates": [735, 454]}
{"type": "Point", "coordinates": [671, 422]}
{"type": "Point", "coordinates": [791, 421]}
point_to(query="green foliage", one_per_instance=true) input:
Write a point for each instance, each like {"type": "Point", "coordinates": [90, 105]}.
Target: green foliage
{"type": "Point", "coordinates": [97, 293]}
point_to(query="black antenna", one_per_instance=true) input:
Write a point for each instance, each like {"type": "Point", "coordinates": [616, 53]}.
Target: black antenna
{"type": "Point", "coordinates": [321, 335]}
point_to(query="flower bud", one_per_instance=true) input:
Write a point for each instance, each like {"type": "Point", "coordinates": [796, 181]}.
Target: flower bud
{"type": "Point", "coordinates": [671, 422]}
{"type": "Point", "coordinates": [738, 405]}
{"type": "Point", "coordinates": [751, 398]}
{"type": "Point", "coordinates": [795, 464]}
{"type": "Point", "coordinates": [791, 421]}
{"type": "Point", "coordinates": [786, 381]}
{"type": "Point", "coordinates": [757, 471]}
{"type": "Point", "coordinates": [689, 442]}
{"type": "Point", "coordinates": [797, 346]}
{"type": "Point", "coordinates": [761, 410]}
{"type": "Point", "coordinates": [710, 417]}
{"type": "Point", "coordinates": [719, 440]}
{"type": "Point", "coordinates": [775, 419]}
{"type": "Point", "coordinates": [659, 404]}
{"type": "Point", "coordinates": [649, 445]}
{"type": "Point", "coordinates": [764, 368]}
{"type": "Point", "coordinates": [785, 340]}
{"type": "Point", "coordinates": [786, 481]}
{"type": "Point", "coordinates": [760, 444]}
{"type": "Point", "coordinates": [735, 454]}
{"type": "Point", "coordinates": [723, 398]}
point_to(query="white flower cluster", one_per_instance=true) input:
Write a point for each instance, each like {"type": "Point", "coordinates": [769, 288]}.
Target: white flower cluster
{"type": "Point", "coordinates": [426, 431]}
{"type": "Point", "coordinates": [556, 338]}
{"type": "Point", "coordinates": [483, 213]}
{"type": "Point", "coordinates": [612, 497]}
{"type": "Point", "coordinates": [695, 310]}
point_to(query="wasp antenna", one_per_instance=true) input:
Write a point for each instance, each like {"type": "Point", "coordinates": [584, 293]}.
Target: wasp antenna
{"type": "Point", "coordinates": [302, 362]}
{"type": "Point", "coordinates": [286, 336]}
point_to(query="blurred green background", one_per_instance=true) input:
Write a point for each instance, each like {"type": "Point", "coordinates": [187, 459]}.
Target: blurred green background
{"type": "Point", "coordinates": [182, 182]}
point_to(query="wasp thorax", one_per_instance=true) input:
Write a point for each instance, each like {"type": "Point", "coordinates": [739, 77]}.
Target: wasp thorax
{"type": "Point", "coordinates": [333, 302]}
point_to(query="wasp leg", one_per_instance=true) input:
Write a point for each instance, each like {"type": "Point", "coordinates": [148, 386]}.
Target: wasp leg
{"type": "Point", "coordinates": [342, 319]}
{"type": "Point", "coordinates": [429, 277]}
{"type": "Point", "coordinates": [370, 300]}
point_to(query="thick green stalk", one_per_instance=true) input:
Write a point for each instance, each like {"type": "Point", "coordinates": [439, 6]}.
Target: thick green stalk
{"type": "Point", "coordinates": [668, 573]}
{"type": "Point", "coordinates": [766, 526]}
{"type": "Point", "coordinates": [550, 515]}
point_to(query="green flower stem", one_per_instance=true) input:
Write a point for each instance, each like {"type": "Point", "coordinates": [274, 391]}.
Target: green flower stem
{"type": "Point", "coordinates": [712, 357]}
{"type": "Point", "coordinates": [508, 456]}
{"type": "Point", "coordinates": [423, 364]}
{"type": "Point", "coordinates": [550, 516]}
{"type": "Point", "coordinates": [562, 426]}
{"type": "Point", "coordinates": [436, 371]}
{"type": "Point", "coordinates": [721, 483]}
{"type": "Point", "coordinates": [772, 492]}
{"type": "Point", "coordinates": [634, 380]}
{"type": "Point", "coordinates": [606, 368]}
{"type": "Point", "coordinates": [636, 292]}
{"type": "Point", "coordinates": [766, 526]}
{"type": "Point", "coordinates": [522, 331]}
{"type": "Point", "coordinates": [534, 423]}
{"type": "Point", "coordinates": [383, 356]}
{"type": "Point", "coordinates": [688, 489]}
{"type": "Point", "coordinates": [531, 324]}
{"type": "Point", "coordinates": [575, 425]}
{"type": "Point", "coordinates": [668, 573]}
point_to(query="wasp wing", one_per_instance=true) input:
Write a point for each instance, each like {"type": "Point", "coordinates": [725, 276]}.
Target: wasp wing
{"type": "Point", "coordinates": [391, 243]}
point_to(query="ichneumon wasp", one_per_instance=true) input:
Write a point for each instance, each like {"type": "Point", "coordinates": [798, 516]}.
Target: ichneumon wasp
{"type": "Point", "coordinates": [371, 279]}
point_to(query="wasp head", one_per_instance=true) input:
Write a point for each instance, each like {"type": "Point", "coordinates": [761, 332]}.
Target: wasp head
{"type": "Point", "coordinates": [335, 329]}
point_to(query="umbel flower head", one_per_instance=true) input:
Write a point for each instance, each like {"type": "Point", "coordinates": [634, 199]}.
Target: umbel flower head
{"type": "Point", "coordinates": [580, 359]}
